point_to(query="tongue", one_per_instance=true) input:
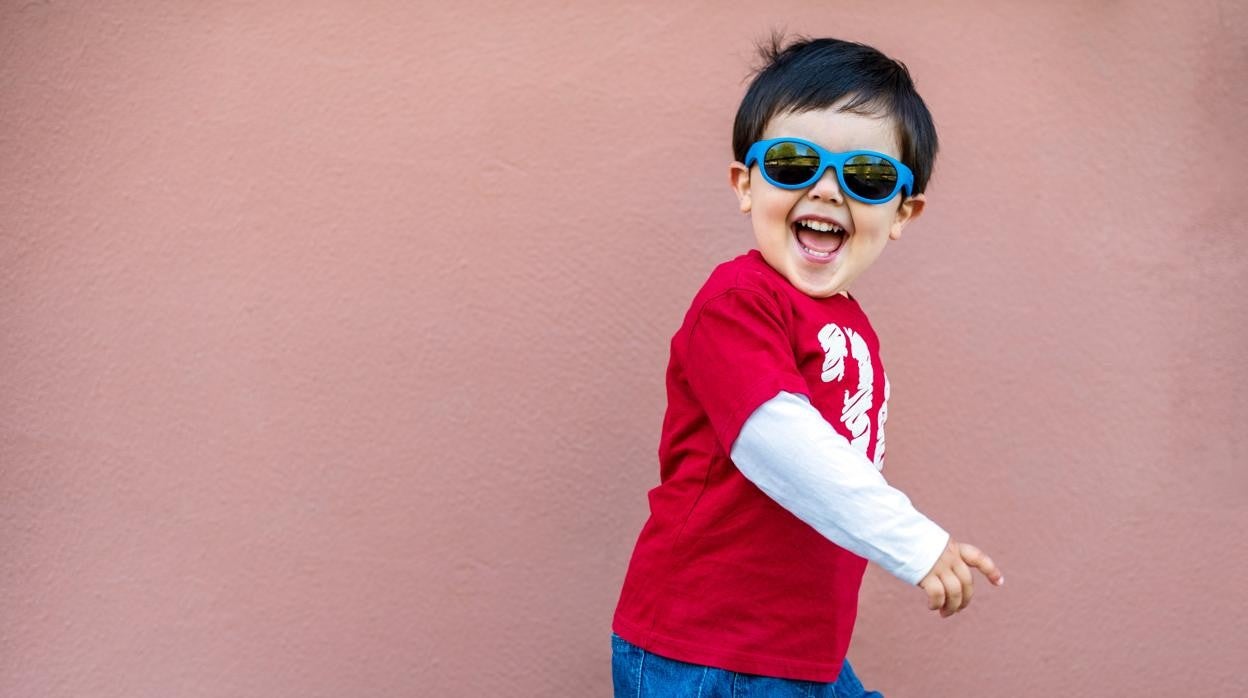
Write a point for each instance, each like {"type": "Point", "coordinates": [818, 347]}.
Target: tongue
{"type": "Point", "coordinates": [819, 242]}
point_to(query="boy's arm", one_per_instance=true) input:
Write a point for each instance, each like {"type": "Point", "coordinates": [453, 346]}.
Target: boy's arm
{"type": "Point", "coordinates": [794, 456]}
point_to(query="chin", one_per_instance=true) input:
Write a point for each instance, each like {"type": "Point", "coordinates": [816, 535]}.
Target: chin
{"type": "Point", "coordinates": [815, 290]}
{"type": "Point", "coordinates": [817, 287]}
{"type": "Point", "coordinates": [821, 292]}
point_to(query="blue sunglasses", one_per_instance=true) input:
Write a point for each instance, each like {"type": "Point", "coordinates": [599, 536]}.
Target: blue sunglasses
{"type": "Point", "coordinates": [868, 176]}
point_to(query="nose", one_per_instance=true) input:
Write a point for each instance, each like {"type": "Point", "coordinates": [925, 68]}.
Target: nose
{"type": "Point", "coordinates": [827, 188]}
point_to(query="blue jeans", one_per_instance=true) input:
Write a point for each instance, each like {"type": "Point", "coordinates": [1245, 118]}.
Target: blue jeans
{"type": "Point", "coordinates": [641, 674]}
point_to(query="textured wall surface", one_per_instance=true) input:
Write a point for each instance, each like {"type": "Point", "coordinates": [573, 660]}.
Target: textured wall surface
{"type": "Point", "coordinates": [332, 337]}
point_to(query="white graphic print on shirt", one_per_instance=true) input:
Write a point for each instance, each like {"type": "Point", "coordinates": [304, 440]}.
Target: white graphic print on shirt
{"type": "Point", "coordinates": [837, 344]}
{"type": "Point", "coordinates": [879, 434]}
{"type": "Point", "coordinates": [832, 339]}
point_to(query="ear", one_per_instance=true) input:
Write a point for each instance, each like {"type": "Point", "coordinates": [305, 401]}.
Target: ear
{"type": "Point", "coordinates": [911, 208]}
{"type": "Point", "coordinates": [739, 179]}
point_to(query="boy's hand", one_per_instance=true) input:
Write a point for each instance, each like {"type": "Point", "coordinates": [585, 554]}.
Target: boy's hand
{"type": "Point", "coordinates": [949, 585]}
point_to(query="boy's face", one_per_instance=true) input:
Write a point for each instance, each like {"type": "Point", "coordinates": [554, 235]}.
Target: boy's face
{"type": "Point", "coordinates": [823, 263]}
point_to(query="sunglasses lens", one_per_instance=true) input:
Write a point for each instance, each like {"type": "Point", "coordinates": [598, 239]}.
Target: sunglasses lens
{"type": "Point", "coordinates": [790, 163]}
{"type": "Point", "coordinates": [870, 177]}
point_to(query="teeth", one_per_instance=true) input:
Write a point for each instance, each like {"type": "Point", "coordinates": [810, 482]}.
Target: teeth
{"type": "Point", "coordinates": [819, 226]}
{"type": "Point", "coordinates": [816, 252]}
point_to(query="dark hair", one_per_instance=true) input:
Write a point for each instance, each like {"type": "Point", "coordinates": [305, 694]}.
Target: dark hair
{"type": "Point", "coordinates": [818, 73]}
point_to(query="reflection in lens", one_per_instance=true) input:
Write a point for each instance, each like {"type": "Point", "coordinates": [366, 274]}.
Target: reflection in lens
{"type": "Point", "coordinates": [790, 163]}
{"type": "Point", "coordinates": [870, 176]}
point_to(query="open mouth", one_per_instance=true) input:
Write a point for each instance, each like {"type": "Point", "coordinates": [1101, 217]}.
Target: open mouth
{"type": "Point", "coordinates": [819, 240]}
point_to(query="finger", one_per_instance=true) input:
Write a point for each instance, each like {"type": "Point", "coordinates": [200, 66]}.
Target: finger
{"type": "Point", "coordinates": [935, 593]}
{"type": "Point", "coordinates": [953, 592]}
{"type": "Point", "coordinates": [976, 558]}
{"type": "Point", "coordinates": [963, 573]}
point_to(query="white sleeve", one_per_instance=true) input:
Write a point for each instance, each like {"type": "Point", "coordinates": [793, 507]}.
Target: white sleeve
{"type": "Point", "coordinates": [795, 457]}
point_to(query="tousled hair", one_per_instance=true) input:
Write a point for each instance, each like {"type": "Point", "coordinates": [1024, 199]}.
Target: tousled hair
{"type": "Point", "coordinates": [820, 73]}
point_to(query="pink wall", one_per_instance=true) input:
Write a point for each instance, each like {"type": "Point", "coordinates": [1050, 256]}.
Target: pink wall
{"type": "Point", "coordinates": [332, 338]}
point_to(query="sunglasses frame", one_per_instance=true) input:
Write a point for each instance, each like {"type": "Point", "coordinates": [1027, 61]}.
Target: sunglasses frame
{"type": "Point", "coordinates": [827, 158]}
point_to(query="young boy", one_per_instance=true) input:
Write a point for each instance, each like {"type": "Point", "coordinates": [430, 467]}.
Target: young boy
{"type": "Point", "coordinates": [745, 578]}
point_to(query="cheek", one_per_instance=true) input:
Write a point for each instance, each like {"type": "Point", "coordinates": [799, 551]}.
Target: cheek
{"type": "Point", "coordinates": [873, 224]}
{"type": "Point", "coordinates": [774, 211]}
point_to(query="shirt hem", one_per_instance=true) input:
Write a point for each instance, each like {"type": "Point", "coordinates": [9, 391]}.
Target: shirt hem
{"type": "Point", "coordinates": [741, 662]}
